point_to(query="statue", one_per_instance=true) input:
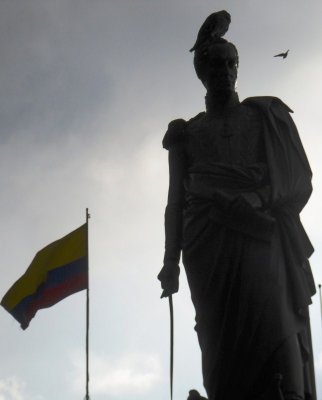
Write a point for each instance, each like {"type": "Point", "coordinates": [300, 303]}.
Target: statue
{"type": "Point", "coordinates": [239, 178]}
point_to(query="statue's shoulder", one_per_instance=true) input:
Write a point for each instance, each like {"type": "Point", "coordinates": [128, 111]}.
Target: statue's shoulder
{"type": "Point", "coordinates": [176, 131]}
{"type": "Point", "coordinates": [267, 104]}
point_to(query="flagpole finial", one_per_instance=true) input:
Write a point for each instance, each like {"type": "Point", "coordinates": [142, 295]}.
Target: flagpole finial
{"type": "Point", "coordinates": [88, 215]}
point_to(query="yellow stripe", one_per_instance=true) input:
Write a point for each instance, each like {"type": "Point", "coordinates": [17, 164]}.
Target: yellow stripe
{"type": "Point", "coordinates": [63, 251]}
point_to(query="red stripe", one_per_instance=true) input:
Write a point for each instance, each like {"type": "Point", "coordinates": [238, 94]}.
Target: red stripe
{"type": "Point", "coordinates": [53, 295]}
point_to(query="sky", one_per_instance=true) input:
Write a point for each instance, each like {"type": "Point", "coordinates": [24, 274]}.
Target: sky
{"type": "Point", "coordinates": [87, 91]}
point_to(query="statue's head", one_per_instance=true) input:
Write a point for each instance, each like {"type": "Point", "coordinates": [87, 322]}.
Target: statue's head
{"type": "Point", "coordinates": [217, 67]}
{"type": "Point", "coordinates": [215, 59]}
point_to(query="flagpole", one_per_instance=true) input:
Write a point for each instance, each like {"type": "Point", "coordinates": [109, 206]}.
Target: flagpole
{"type": "Point", "coordinates": [320, 300]}
{"type": "Point", "coordinates": [87, 310]}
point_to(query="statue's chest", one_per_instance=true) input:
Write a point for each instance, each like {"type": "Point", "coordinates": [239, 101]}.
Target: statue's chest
{"type": "Point", "coordinates": [234, 138]}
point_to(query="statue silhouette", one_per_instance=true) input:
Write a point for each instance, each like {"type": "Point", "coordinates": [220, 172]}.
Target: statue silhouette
{"type": "Point", "coordinates": [194, 395]}
{"type": "Point", "coordinates": [239, 178]}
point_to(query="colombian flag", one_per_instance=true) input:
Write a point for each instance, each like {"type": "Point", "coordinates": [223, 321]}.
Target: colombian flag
{"type": "Point", "coordinates": [57, 271]}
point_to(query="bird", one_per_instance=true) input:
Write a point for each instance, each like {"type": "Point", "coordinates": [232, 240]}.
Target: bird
{"type": "Point", "coordinates": [284, 55]}
{"type": "Point", "coordinates": [215, 26]}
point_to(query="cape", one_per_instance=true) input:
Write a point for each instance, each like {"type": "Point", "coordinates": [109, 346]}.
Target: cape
{"type": "Point", "coordinates": [291, 187]}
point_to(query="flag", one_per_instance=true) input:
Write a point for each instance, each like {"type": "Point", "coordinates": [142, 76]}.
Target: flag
{"type": "Point", "coordinates": [57, 271]}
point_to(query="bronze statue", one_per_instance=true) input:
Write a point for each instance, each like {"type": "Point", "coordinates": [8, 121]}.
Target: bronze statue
{"type": "Point", "coordinates": [239, 178]}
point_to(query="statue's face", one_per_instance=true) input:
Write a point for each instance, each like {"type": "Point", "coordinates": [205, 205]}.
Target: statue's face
{"type": "Point", "coordinates": [220, 73]}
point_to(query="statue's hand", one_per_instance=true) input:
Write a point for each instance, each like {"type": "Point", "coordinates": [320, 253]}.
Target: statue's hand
{"type": "Point", "coordinates": [169, 278]}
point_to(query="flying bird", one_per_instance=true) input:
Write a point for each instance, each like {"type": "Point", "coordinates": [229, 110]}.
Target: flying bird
{"type": "Point", "coordinates": [215, 26]}
{"type": "Point", "coordinates": [284, 55]}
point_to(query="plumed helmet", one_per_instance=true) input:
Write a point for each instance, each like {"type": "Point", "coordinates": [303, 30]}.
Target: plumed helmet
{"type": "Point", "coordinates": [214, 27]}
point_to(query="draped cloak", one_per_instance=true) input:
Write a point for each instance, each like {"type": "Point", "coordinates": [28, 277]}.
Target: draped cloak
{"type": "Point", "coordinates": [248, 273]}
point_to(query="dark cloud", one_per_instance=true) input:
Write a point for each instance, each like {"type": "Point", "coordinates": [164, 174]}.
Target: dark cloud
{"type": "Point", "coordinates": [65, 63]}
{"type": "Point", "coordinates": [54, 75]}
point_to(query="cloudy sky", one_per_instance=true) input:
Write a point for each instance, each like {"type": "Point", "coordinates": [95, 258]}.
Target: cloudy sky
{"type": "Point", "coordinates": [87, 91]}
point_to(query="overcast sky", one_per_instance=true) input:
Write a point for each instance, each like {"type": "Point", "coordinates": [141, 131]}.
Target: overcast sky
{"type": "Point", "coordinates": [87, 91]}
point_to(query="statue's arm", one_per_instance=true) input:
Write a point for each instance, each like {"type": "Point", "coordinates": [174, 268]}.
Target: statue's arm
{"type": "Point", "coordinates": [169, 274]}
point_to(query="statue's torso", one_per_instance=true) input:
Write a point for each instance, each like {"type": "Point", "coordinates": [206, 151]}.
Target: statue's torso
{"type": "Point", "coordinates": [233, 138]}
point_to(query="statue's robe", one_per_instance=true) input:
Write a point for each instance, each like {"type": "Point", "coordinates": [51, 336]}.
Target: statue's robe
{"type": "Point", "coordinates": [248, 272]}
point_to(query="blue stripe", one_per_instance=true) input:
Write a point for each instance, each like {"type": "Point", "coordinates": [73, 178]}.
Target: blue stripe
{"type": "Point", "coordinates": [61, 274]}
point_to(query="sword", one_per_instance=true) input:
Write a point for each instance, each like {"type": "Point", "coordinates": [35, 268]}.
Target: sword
{"type": "Point", "coordinates": [171, 345]}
